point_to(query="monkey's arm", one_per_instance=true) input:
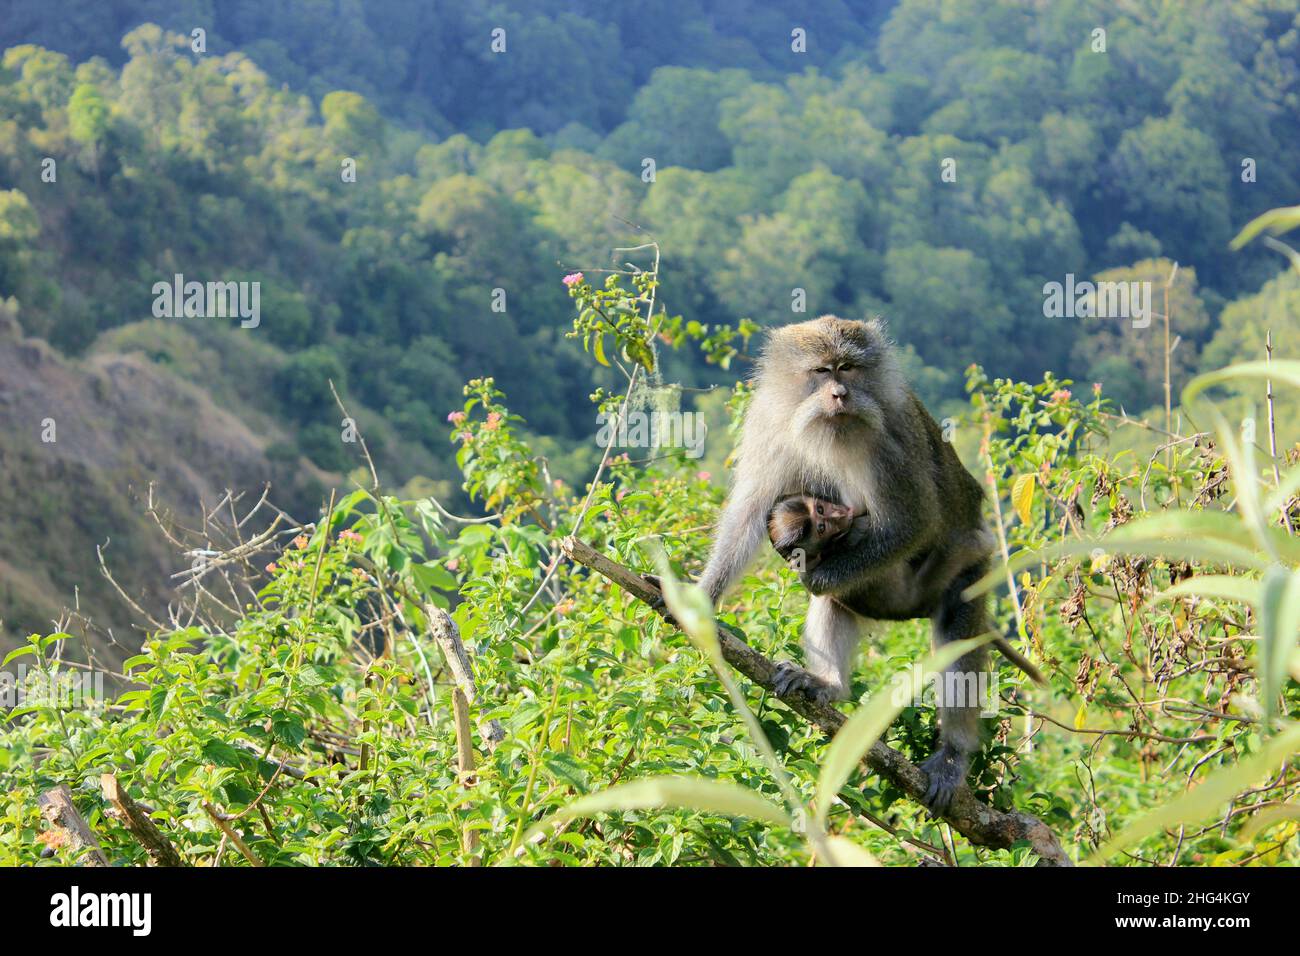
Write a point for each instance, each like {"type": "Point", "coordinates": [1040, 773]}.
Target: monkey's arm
{"type": "Point", "coordinates": [945, 561]}
{"type": "Point", "coordinates": [741, 530]}
{"type": "Point", "coordinates": [843, 567]}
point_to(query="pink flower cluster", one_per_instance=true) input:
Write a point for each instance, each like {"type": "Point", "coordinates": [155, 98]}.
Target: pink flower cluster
{"type": "Point", "coordinates": [572, 279]}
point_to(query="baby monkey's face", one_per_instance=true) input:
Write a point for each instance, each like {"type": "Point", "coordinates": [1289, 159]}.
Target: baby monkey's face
{"type": "Point", "coordinates": [806, 523]}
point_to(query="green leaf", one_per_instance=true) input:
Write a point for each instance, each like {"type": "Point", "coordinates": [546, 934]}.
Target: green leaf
{"type": "Point", "coordinates": [691, 607]}
{"type": "Point", "coordinates": [153, 765]}
{"type": "Point", "coordinates": [1211, 537]}
{"type": "Point", "coordinates": [1279, 623]}
{"type": "Point", "coordinates": [1289, 485]}
{"type": "Point", "coordinates": [313, 676]}
{"type": "Point", "coordinates": [238, 794]}
{"type": "Point", "coordinates": [1287, 371]}
{"type": "Point", "coordinates": [598, 350]}
{"type": "Point", "coordinates": [19, 652]}
{"type": "Point", "coordinates": [844, 852]}
{"type": "Point", "coordinates": [131, 663]}
{"type": "Point", "coordinates": [1268, 817]}
{"type": "Point", "coordinates": [289, 730]}
{"type": "Point", "coordinates": [158, 697]}
{"type": "Point", "coordinates": [1223, 587]}
{"type": "Point", "coordinates": [671, 793]}
{"type": "Point", "coordinates": [432, 576]}
{"type": "Point", "coordinates": [1275, 221]}
{"type": "Point", "coordinates": [567, 769]}
{"type": "Point", "coordinates": [222, 754]}
{"type": "Point", "coordinates": [1241, 464]}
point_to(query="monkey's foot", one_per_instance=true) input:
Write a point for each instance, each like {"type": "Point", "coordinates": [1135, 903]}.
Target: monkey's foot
{"type": "Point", "coordinates": [946, 769]}
{"type": "Point", "coordinates": [791, 678]}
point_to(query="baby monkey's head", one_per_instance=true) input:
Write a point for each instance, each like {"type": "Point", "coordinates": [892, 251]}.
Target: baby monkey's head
{"type": "Point", "coordinates": [802, 522]}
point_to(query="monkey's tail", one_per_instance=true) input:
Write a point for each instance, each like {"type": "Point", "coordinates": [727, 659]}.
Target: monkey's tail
{"type": "Point", "coordinates": [1015, 657]}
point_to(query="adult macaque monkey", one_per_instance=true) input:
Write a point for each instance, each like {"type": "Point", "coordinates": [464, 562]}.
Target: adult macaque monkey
{"type": "Point", "coordinates": [832, 417]}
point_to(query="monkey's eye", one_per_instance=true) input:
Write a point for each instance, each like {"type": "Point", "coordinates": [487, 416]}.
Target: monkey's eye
{"type": "Point", "coordinates": [848, 367]}
{"type": "Point", "coordinates": [821, 370]}
{"type": "Point", "coordinates": [821, 510]}
{"type": "Point", "coordinates": [821, 527]}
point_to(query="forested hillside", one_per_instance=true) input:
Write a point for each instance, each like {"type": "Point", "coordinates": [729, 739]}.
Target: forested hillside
{"type": "Point", "coordinates": [422, 190]}
{"type": "Point", "coordinates": [1064, 160]}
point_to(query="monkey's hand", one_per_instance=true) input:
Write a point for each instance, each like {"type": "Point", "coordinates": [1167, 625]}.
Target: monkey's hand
{"type": "Point", "coordinates": [947, 769]}
{"type": "Point", "coordinates": [817, 579]}
{"type": "Point", "coordinates": [843, 568]}
{"type": "Point", "coordinates": [791, 678]}
{"type": "Point", "coordinates": [657, 601]}
{"type": "Point", "coordinates": [826, 576]}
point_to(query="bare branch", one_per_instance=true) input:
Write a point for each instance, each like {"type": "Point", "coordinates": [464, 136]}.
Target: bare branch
{"type": "Point", "coordinates": [135, 819]}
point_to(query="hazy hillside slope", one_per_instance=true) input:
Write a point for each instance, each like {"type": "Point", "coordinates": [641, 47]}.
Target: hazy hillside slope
{"type": "Point", "coordinates": [119, 422]}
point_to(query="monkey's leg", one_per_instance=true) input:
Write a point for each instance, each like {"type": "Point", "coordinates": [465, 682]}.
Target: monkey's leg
{"type": "Point", "coordinates": [958, 693]}
{"type": "Point", "coordinates": [830, 636]}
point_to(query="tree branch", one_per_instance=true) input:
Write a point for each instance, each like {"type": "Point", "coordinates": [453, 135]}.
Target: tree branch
{"type": "Point", "coordinates": [980, 823]}
{"type": "Point", "coordinates": [69, 825]}
{"type": "Point", "coordinates": [135, 819]}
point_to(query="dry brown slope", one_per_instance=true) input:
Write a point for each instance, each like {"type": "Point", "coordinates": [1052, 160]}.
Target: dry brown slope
{"type": "Point", "coordinates": [120, 422]}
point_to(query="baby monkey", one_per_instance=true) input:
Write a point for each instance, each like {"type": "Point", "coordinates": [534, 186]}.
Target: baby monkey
{"type": "Point", "coordinates": [803, 527]}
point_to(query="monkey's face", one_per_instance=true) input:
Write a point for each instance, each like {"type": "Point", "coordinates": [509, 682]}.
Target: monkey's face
{"type": "Point", "coordinates": [839, 388]}
{"type": "Point", "coordinates": [833, 373]}
{"type": "Point", "coordinates": [825, 520]}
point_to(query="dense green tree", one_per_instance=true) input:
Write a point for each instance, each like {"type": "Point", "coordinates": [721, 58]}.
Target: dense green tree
{"type": "Point", "coordinates": [674, 120]}
{"type": "Point", "coordinates": [1245, 323]}
{"type": "Point", "coordinates": [1170, 179]}
{"type": "Point", "coordinates": [351, 123]}
{"type": "Point", "coordinates": [947, 168]}
{"type": "Point", "coordinates": [19, 227]}
{"type": "Point", "coordinates": [811, 243]}
{"type": "Point", "coordinates": [993, 95]}
{"type": "Point", "coordinates": [303, 384]}
{"type": "Point", "coordinates": [88, 117]}
{"type": "Point", "coordinates": [944, 303]}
